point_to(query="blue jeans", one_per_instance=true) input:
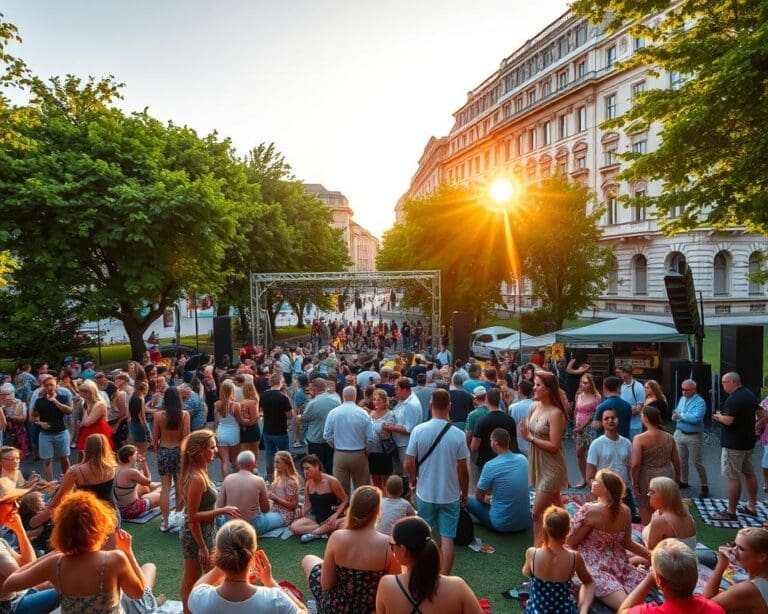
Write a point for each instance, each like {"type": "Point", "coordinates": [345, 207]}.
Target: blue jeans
{"type": "Point", "coordinates": [272, 444]}
{"type": "Point", "coordinates": [267, 521]}
{"type": "Point", "coordinates": [481, 511]}
{"type": "Point", "coordinates": [37, 602]}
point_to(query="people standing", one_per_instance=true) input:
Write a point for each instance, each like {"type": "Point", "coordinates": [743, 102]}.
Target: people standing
{"type": "Point", "coordinates": [198, 491]}
{"type": "Point", "coordinates": [612, 399]}
{"type": "Point", "coordinates": [633, 393]}
{"type": "Point", "coordinates": [250, 432]}
{"type": "Point", "coordinates": [548, 471]}
{"type": "Point", "coordinates": [348, 429]}
{"type": "Point", "coordinates": [408, 415]}
{"type": "Point", "coordinates": [586, 400]}
{"type": "Point", "coordinates": [436, 462]}
{"type": "Point", "coordinates": [495, 418]}
{"type": "Point", "coordinates": [519, 411]}
{"type": "Point", "coordinates": [689, 434]}
{"type": "Point", "coordinates": [227, 423]}
{"type": "Point", "coordinates": [313, 419]}
{"type": "Point", "coordinates": [276, 409]}
{"type": "Point", "coordinates": [738, 420]}
{"type": "Point", "coordinates": [48, 413]}
{"type": "Point", "coordinates": [380, 461]}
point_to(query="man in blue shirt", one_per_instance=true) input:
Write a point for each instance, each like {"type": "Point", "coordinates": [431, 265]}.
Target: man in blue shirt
{"type": "Point", "coordinates": [633, 392]}
{"type": "Point", "coordinates": [504, 480]}
{"type": "Point", "coordinates": [612, 399]}
{"type": "Point", "coordinates": [689, 433]}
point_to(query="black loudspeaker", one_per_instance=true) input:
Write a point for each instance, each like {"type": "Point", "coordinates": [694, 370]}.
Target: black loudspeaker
{"type": "Point", "coordinates": [222, 339]}
{"type": "Point", "coordinates": [682, 301]}
{"type": "Point", "coordinates": [741, 350]}
{"type": "Point", "coordinates": [460, 333]}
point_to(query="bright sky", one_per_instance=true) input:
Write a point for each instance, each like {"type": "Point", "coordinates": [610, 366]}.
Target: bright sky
{"type": "Point", "coordinates": [349, 90]}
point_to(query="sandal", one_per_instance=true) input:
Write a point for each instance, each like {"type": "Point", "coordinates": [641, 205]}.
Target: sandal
{"type": "Point", "coordinates": [743, 509]}
{"type": "Point", "coordinates": [724, 516]}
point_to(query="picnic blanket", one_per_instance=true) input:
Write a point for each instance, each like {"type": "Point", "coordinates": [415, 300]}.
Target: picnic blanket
{"type": "Point", "coordinates": [145, 517]}
{"type": "Point", "coordinates": [709, 507]}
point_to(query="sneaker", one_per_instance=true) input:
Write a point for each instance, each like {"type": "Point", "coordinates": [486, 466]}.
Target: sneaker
{"type": "Point", "coordinates": [164, 527]}
{"type": "Point", "coordinates": [309, 537]}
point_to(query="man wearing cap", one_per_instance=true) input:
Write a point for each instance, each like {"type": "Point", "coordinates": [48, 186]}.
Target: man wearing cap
{"type": "Point", "coordinates": [48, 413]}
{"type": "Point", "coordinates": [480, 411]}
{"type": "Point", "coordinates": [30, 601]}
{"type": "Point", "coordinates": [88, 371]}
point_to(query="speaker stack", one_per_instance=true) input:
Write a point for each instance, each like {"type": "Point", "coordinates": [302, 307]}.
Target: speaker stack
{"type": "Point", "coordinates": [461, 333]}
{"type": "Point", "coordinates": [741, 350]}
{"type": "Point", "coordinates": [222, 339]}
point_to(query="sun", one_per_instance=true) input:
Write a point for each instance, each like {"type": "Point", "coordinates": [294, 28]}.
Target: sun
{"type": "Point", "coordinates": [501, 191]}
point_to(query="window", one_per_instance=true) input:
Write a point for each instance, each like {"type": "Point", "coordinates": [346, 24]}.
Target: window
{"type": "Point", "coordinates": [518, 104]}
{"type": "Point", "coordinates": [562, 166]}
{"type": "Point", "coordinates": [640, 147]}
{"type": "Point", "coordinates": [612, 210]}
{"type": "Point", "coordinates": [546, 88]}
{"type": "Point", "coordinates": [755, 266]}
{"type": "Point", "coordinates": [610, 107]}
{"type": "Point", "coordinates": [675, 210]}
{"type": "Point", "coordinates": [641, 275]}
{"type": "Point", "coordinates": [581, 119]}
{"type": "Point", "coordinates": [581, 35]}
{"type": "Point", "coordinates": [507, 109]}
{"type": "Point", "coordinates": [477, 164]}
{"type": "Point", "coordinates": [487, 160]}
{"type": "Point", "coordinates": [720, 281]}
{"type": "Point", "coordinates": [610, 56]}
{"type": "Point", "coordinates": [638, 210]}
{"type": "Point", "coordinates": [675, 80]}
{"type": "Point", "coordinates": [639, 43]}
{"type": "Point", "coordinates": [613, 280]}
{"type": "Point", "coordinates": [562, 46]}
{"type": "Point", "coordinates": [562, 80]}
{"type": "Point", "coordinates": [520, 144]}
{"type": "Point", "coordinates": [581, 162]}
{"type": "Point", "coordinates": [531, 173]}
{"type": "Point", "coordinates": [638, 88]}
{"type": "Point", "coordinates": [581, 69]}
{"type": "Point", "coordinates": [610, 157]}
{"type": "Point", "coordinates": [677, 263]}
{"type": "Point", "coordinates": [562, 126]}
{"type": "Point", "coordinates": [532, 139]}
{"type": "Point", "coordinates": [531, 97]}
{"type": "Point", "coordinates": [547, 133]}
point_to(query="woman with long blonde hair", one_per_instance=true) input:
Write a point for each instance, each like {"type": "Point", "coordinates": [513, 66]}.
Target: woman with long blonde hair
{"type": "Point", "coordinates": [95, 473]}
{"type": "Point", "coordinates": [197, 533]}
{"type": "Point", "coordinates": [283, 493]}
{"type": "Point", "coordinates": [227, 420]}
{"type": "Point", "coordinates": [584, 405]}
{"type": "Point", "coordinates": [548, 471]}
{"type": "Point", "coordinates": [250, 412]}
{"type": "Point", "coordinates": [94, 414]}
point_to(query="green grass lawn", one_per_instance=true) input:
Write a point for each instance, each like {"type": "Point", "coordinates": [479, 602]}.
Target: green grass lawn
{"type": "Point", "coordinates": [488, 574]}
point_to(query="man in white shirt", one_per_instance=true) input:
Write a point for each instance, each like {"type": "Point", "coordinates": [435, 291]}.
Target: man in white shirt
{"type": "Point", "coordinates": [348, 428]}
{"type": "Point", "coordinates": [443, 478]}
{"type": "Point", "coordinates": [408, 415]}
{"type": "Point", "coordinates": [614, 452]}
{"type": "Point", "coordinates": [633, 392]}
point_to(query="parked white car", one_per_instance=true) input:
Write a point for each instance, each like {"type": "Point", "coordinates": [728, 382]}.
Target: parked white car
{"type": "Point", "coordinates": [492, 335]}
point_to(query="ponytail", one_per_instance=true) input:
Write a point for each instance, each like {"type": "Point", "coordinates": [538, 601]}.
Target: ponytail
{"type": "Point", "coordinates": [415, 536]}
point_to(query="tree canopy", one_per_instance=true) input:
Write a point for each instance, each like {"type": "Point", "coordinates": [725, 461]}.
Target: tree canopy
{"type": "Point", "coordinates": [714, 152]}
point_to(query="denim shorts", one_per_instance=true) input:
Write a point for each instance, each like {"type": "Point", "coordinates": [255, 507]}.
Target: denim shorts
{"type": "Point", "coordinates": [441, 516]}
{"type": "Point", "coordinates": [54, 445]}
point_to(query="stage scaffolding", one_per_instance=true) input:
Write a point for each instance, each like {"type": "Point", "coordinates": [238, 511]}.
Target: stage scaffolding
{"type": "Point", "coordinates": [262, 282]}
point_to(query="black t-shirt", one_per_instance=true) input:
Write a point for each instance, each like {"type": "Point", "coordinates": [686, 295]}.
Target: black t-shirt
{"type": "Point", "coordinates": [262, 385]}
{"type": "Point", "coordinates": [485, 426]}
{"type": "Point", "coordinates": [742, 405]}
{"type": "Point", "coordinates": [388, 388]}
{"type": "Point", "coordinates": [110, 389]}
{"type": "Point", "coordinates": [275, 404]}
{"type": "Point", "coordinates": [461, 405]}
{"type": "Point", "coordinates": [51, 414]}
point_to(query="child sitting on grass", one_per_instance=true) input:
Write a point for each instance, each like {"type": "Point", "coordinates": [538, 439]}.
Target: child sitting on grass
{"type": "Point", "coordinates": [551, 570]}
{"type": "Point", "coordinates": [393, 506]}
{"type": "Point", "coordinates": [36, 519]}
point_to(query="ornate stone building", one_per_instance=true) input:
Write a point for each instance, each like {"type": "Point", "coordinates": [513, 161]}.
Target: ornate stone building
{"type": "Point", "coordinates": [362, 246]}
{"type": "Point", "coordinates": [540, 113]}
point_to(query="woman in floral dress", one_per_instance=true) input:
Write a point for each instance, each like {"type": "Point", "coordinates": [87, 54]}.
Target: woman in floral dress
{"type": "Point", "coordinates": [15, 413]}
{"type": "Point", "coordinates": [602, 533]}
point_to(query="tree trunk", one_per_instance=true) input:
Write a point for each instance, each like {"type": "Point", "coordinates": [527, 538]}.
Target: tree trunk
{"type": "Point", "coordinates": [135, 332]}
{"type": "Point", "coordinates": [299, 314]}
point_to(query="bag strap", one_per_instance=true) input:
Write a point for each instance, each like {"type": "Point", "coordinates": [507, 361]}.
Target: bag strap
{"type": "Point", "coordinates": [420, 461]}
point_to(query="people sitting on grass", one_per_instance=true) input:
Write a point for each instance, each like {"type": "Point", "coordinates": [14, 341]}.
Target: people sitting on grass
{"type": "Point", "coordinates": [674, 571]}
{"type": "Point", "coordinates": [671, 518]}
{"type": "Point", "coordinates": [10, 458]}
{"type": "Point", "coordinates": [36, 517]}
{"type": "Point", "coordinates": [551, 569]}
{"type": "Point", "coordinates": [135, 492]}
{"type": "Point", "coordinates": [324, 502]}
{"type": "Point", "coordinates": [19, 600]}
{"type": "Point", "coordinates": [749, 550]}
{"type": "Point", "coordinates": [501, 499]}
{"type": "Point", "coordinates": [602, 534]}
{"type": "Point", "coordinates": [421, 587]}
{"type": "Point", "coordinates": [356, 558]}
{"type": "Point", "coordinates": [393, 505]}
{"type": "Point", "coordinates": [229, 585]}
{"type": "Point", "coordinates": [87, 578]}
{"type": "Point", "coordinates": [246, 491]}
{"type": "Point", "coordinates": [283, 493]}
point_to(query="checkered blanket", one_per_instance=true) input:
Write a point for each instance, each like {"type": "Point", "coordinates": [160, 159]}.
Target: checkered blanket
{"type": "Point", "coordinates": [710, 507]}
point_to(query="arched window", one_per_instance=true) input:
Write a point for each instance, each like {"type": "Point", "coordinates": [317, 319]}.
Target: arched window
{"type": "Point", "coordinates": [613, 278]}
{"type": "Point", "coordinates": [720, 270]}
{"type": "Point", "coordinates": [755, 266]}
{"type": "Point", "coordinates": [641, 274]}
{"type": "Point", "coordinates": [676, 263]}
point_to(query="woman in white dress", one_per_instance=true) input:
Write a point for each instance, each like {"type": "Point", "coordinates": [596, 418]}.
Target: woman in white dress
{"type": "Point", "coordinates": [227, 420]}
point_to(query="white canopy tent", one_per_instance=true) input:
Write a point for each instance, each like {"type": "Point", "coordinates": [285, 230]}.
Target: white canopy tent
{"type": "Point", "coordinates": [621, 330]}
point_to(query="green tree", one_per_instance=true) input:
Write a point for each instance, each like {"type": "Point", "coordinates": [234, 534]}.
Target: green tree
{"type": "Point", "coordinates": [451, 230]}
{"type": "Point", "coordinates": [122, 211]}
{"type": "Point", "coordinates": [714, 152]}
{"type": "Point", "coordinates": [560, 245]}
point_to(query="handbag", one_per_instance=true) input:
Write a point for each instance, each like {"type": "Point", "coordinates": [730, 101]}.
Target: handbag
{"type": "Point", "coordinates": [388, 446]}
{"type": "Point", "coordinates": [465, 528]}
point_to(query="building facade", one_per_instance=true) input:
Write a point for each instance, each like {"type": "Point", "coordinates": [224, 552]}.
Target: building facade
{"type": "Point", "coordinates": [362, 246]}
{"type": "Point", "coordinates": [540, 113]}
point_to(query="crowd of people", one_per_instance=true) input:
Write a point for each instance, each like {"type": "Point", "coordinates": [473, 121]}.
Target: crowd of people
{"type": "Point", "coordinates": [392, 455]}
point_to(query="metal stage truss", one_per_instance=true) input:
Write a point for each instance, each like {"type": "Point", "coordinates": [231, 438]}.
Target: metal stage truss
{"type": "Point", "coordinates": [262, 282]}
